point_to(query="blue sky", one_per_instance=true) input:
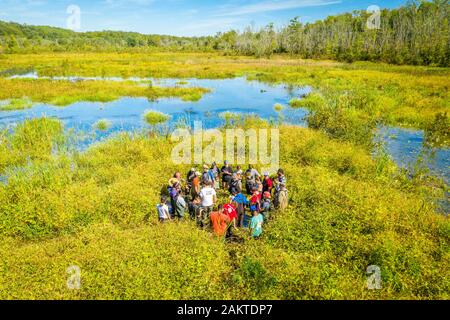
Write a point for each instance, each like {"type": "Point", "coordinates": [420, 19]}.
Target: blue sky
{"type": "Point", "coordinates": [178, 17]}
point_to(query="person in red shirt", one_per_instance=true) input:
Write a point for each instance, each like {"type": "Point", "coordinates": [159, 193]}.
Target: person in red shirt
{"type": "Point", "coordinates": [220, 222]}
{"type": "Point", "coordinates": [230, 210]}
{"type": "Point", "coordinates": [267, 183]}
{"type": "Point", "coordinates": [255, 201]}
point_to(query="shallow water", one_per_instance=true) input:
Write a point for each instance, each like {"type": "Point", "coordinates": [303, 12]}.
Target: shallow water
{"type": "Point", "coordinates": [405, 146]}
{"type": "Point", "coordinates": [234, 95]}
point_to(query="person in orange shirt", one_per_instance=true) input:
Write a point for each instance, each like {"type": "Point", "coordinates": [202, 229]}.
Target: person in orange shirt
{"type": "Point", "coordinates": [195, 185]}
{"type": "Point", "coordinates": [220, 222]}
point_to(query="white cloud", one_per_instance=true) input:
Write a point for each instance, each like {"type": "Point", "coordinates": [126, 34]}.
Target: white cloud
{"type": "Point", "coordinates": [267, 6]}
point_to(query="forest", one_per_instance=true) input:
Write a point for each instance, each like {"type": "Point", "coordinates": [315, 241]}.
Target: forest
{"type": "Point", "coordinates": [415, 34]}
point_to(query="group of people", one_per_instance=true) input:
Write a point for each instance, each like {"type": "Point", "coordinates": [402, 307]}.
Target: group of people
{"type": "Point", "coordinates": [197, 196]}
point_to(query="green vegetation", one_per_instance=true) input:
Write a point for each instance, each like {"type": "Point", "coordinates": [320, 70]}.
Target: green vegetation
{"type": "Point", "coordinates": [64, 93]}
{"type": "Point", "coordinates": [16, 104]}
{"type": "Point", "coordinates": [102, 124]}
{"type": "Point", "coordinates": [394, 95]}
{"type": "Point", "coordinates": [97, 210]}
{"type": "Point", "coordinates": [312, 101]}
{"type": "Point", "coordinates": [350, 206]}
{"type": "Point", "coordinates": [438, 132]}
{"type": "Point", "coordinates": [417, 33]}
{"type": "Point", "coordinates": [33, 140]}
{"type": "Point", "coordinates": [278, 107]}
{"type": "Point", "coordinates": [153, 117]}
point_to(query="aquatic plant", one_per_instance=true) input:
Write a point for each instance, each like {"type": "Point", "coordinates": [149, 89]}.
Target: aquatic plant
{"type": "Point", "coordinates": [311, 101]}
{"type": "Point", "coordinates": [153, 117]}
{"type": "Point", "coordinates": [102, 124]}
{"type": "Point", "coordinates": [33, 140]}
{"type": "Point", "coordinates": [16, 104]}
{"type": "Point", "coordinates": [278, 107]}
{"type": "Point", "coordinates": [437, 134]}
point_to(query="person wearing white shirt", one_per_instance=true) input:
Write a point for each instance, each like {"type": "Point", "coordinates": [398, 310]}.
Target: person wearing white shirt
{"type": "Point", "coordinates": [209, 197]}
{"type": "Point", "coordinates": [163, 210]}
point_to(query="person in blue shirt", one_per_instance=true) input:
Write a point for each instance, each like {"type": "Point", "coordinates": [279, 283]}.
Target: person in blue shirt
{"type": "Point", "coordinates": [240, 202]}
{"type": "Point", "coordinates": [256, 225]}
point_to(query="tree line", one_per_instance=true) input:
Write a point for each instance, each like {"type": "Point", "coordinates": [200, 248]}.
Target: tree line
{"type": "Point", "coordinates": [417, 33]}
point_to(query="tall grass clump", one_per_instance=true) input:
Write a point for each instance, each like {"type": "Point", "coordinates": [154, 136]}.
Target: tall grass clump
{"type": "Point", "coordinates": [155, 119]}
{"type": "Point", "coordinates": [340, 118]}
{"type": "Point", "coordinates": [102, 125]}
{"type": "Point", "coordinates": [437, 134]}
{"type": "Point", "coordinates": [312, 101]}
{"type": "Point", "coordinates": [31, 140]}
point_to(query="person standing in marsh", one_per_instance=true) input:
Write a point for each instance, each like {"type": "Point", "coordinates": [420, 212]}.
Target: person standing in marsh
{"type": "Point", "coordinates": [226, 172]}
{"type": "Point", "coordinates": [252, 172]}
{"type": "Point", "coordinates": [174, 189]}
{"type": "Point", "coordinates": [256, 225]}
{"type": "Point", "coordinates": [235, 185]}
{"type": "Point", "coordinates": [163, 210]}
{"type": "Point", "coordinates": [267, 183]}
{"type": "Point", "coordinates": [189, 177]}
{"type": "Point", "coordinates": [220, 222]}
{"type": "Point", "coordinates": [180, 206]}
{"type": "Point", "coordinates": [240, 202]}
{"type": "Point", "coordinates": [266, 205]}
{"type": "Point", "coordinates": [216, 173]}
{"type": "Point", "coordinates": [206, 176]}
{"type": "Point", "coordinates": [209, 197]}
{"type": "Point", "coordinates": [195, 190]}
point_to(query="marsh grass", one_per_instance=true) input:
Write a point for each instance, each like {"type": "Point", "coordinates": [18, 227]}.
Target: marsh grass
{"type": "Point", "coordinates": [154, 118]}
{"type": "Point", "coordinates": [278, 107]}
{"type": "Point", "coordinates": [102, 125]}
{"type": "Point", "coordinates": [63, 93]}
{"type": "Point", "coordinates": [33, 140]}
{"type": "Point", "coordinates": [97, 210]}
{"type": "Point", "coordinates": [16, 104]}
{"type": "Point", "coordinates": [348, 210]}
{"type": "Point", "coordinates": [396, 95]}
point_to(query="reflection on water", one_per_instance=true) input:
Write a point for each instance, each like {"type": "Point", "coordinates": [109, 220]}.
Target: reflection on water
{"type": "Point", "coordinates": [233, 95]}
{"type": "Point", "coordinates": [406, 147]}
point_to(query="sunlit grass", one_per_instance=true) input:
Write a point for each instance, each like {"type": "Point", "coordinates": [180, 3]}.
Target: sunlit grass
{"type": "Point", "coordinates": [102, 124]}
{"type": "Point", "coordinates": [278, 107]}
{"type": "Point", "coordinates": [16, 104]}
{"type": "Point", "coordinates": [401, 95]}
{"type": "Point", "coordinates": [154, 118]}
{"type": "Point", "coordinates": [63, 93]}
{"type": "Point", "coordinates": [97, 210]}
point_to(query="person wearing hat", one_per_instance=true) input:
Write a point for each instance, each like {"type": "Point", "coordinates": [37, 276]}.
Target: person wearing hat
{"type": "Point", "coordinates": [267, 183]}
{"type": "Point", "coordinates": [195, 185]}
{"type": "Point", "coordinates": [206, 178]}
{"type": "Point", "coordinates": [266, 205]}
{"type": "Point", "coordinates": [172, 182]}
